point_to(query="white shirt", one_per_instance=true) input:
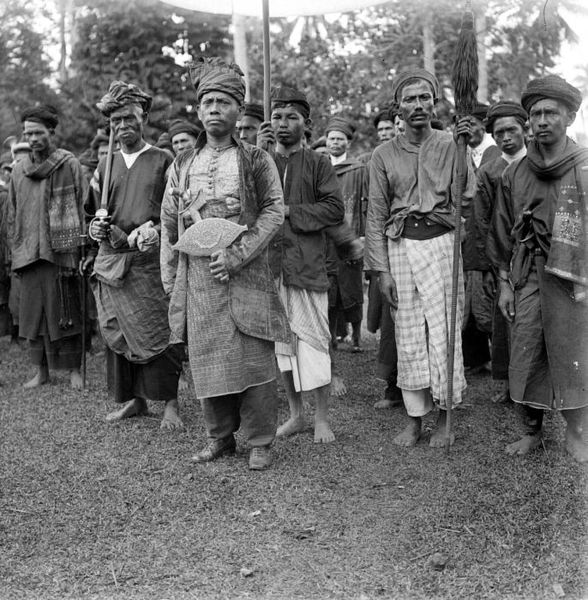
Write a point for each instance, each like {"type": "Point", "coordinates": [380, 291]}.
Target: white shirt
{"type": "Point", "coordinates": [131, 158]}
{"type": "Point", "coordinates": [335, 160]}
{"type": "Point", "coordinates": [509, 158]}
{"type": "Point", "coordinates": [477, 152]}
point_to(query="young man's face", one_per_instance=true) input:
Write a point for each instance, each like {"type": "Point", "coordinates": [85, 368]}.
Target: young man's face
{"type": "Point", "coordinates": [288, 124]}
{"type": "Point", "coordinates": [38, 135]}
{"type": "Point", "coordinates": [102, 151]}
{"type": "Point", "coordinates": [219, 113]}
{"type": "Point", "coordinates": [128, 123]}
{"type": "Point", "coordinates": [337, 143]}
{"type": "Point", "coordinates": [183, 141]}
{"type": "Point", "coordinates": [549, 121]}
{"type": "Point", "coordinates": [417, 104]}
{"type": "Point", "coordinates": [509, 135]}
{"type": "Point", "coordinates": [247, 129]}
{"type": "Point", "coordinates": [385, 130]}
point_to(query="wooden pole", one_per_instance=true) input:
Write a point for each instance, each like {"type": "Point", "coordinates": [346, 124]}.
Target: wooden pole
{"type": "Point", "coordinates": [267, 74]}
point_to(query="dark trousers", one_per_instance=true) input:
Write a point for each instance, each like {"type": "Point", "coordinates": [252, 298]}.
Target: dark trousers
{"type": "Point", "coordinates": [65, 353]}
{"type": "Point", "coordinates": [254, 410]}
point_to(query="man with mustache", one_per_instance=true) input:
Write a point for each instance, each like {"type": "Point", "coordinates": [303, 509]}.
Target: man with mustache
{"type": "Point", "coordinates": [409, 243]}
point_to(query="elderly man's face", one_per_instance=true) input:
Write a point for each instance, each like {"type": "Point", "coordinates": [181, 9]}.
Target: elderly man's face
{"type": "Point", "coordinates": [128, 123]}
{"type": "Point", "coordinates": [417, 104]}
{"type": "Point", "coordinates": [478, 131]}
{"type": "Point", "coordinates": [102, 151]}
{"type": "Point", "coordinates": [385, 130]}
{"type": "Point", "coordinates": [219, 113]}
{"type": "Point", "coordinates": [247, 129]}
{"type": "Point", "coordinates": [183, 141]}
{"type": "Point", "coordinates": [337, 143]}
{"type": "Point", "coordinates": [399, 126]}
{"type": "Point", "coordinates": [509, 135]}
{"type": "Point", "coordinates": [549, 121]}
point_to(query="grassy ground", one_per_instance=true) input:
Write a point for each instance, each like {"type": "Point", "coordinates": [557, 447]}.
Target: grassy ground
{"type": "Point", "coordinates": [90, 510]}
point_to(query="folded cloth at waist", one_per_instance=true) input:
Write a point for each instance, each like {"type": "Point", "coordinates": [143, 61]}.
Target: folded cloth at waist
{"type": "Point", "coordinates": [422, 228]}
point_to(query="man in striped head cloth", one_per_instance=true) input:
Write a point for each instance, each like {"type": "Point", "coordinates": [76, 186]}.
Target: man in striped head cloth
{"type": "Point", "coordinates": [132, 306]}
{"type": "Point", "coordinates": [538, 243]}
{"type": "Point", "coordinates": [409, 243]}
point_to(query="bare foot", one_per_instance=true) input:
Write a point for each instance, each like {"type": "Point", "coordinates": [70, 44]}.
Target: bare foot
{"type": "Point", "coordinates": [338, 387]}
{"type": "Point", "coordinates": [501, 397]}
{"type": "Point", "coordinates": [524, 445]}
{"type": "Point", "coordinates": [75, 379]}
{"type": "Point", "coordinates": [410, 435]}
{"type": "Point", "coordinates": [323, 433]}
{"type": "Point", "coordinates": [133, 408]}
{"type": "Point", "coordinates": [291, 426]}
{"type": "Point", "coordinates": [576, 446]}
{"type": "Point", "coordinates": [171, 416]}
{"type": "Point", "coordinates": [385, 403]}
{"type": "Point", "coordinates": [41, 378]}
{"type": "Point", "coordinates": [438, 437]}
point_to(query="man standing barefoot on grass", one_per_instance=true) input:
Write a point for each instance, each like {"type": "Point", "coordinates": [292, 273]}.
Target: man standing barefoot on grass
{"type": "Point", "coordinates": [409, 242]}
{"type": "Point", "coordinates": [224, 303]}
{"type": "Point", "coordinates": [538, 243]}
{"type": "Point", "coordinates": [298, 254]}
{"type": "Point", "coordinates": [44, 226]}
{"type": "Point", "coordinates": [132, 306]}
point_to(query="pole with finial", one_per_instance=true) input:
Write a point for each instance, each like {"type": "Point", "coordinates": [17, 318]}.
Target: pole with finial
{"type": "Point", "coordinates": [465, 87]}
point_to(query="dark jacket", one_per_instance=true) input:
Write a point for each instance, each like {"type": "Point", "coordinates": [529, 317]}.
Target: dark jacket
{"type": "Point", "coordinates": [312, 193]}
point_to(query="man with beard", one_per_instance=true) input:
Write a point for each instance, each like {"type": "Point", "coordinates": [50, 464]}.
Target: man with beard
{"type": "Point", "coordinates": [409, 243]}
{"type": "Point", "coordinates": [132, 307]}
{"type": "Point", "coordinates": [539, 248]}
{"type": "Point", "coordinates": [45, 226]}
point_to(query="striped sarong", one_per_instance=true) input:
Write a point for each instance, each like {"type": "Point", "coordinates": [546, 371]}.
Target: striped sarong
{"type": "Point", "coordinates": [308, 356]}
{"type": "Point", "coordinates": [422, 270]}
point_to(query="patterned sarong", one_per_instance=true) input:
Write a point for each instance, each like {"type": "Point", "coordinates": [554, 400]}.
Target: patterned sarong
{"type": "Point", "coordinates": [422, 270]}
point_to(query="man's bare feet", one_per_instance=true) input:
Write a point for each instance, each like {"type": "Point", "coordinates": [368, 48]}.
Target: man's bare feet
{"type": "Point", "coordinates": [338, 387]}
{"type": "Point", "coordinates": [385, 403]}
{"type": "Point", "coordinates": [322, 432]}
{"type": "Point", "coordinates": [291, 426]}
{"type": "Point", "coordinates": [40, 378]}
{"type": "Point", "coordinates": [410, 435]}
{"type": "Point", "coordinates": [183, 382]}
{"type": "Point", "coordinates": [576, 446]}
{"type": "Point", "coordinates": [171, 416]}
{"type": "Point", "coordinates": [75, 379]}
{"type": "Point", "coordinates": [133, 408]}
{"type": "Point", "coordinates": [524, 445]}
{"type": "Point", "coordinates": [439, 435]}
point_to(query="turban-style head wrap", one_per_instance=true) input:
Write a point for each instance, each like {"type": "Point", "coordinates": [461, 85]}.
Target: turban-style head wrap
{"type": "Point", "coordinates": [100, 139]}
{"type": "Point", "coordinates": [342, 125]}
{"type": "Point", "coordinates": [505, 108]}
{"type": "Point", "coordinates": [120, 94]}
{"type": "Point", "coordinates": [181, 126]}
{"type": "Point", "coordinates": [213, 74]}
{"type": "Point", "coordinates": [45, 114]}
{"type": "Point", "coordinates": [409, 77]}
{"type": "Point", "coordinates": [288, 95]}
{"type": "Point", "coordinates": [254, 110]}
{"type": "Point", "coordinates": [551, 87]}
{"type": "Point", "coordinates": [479, 111]}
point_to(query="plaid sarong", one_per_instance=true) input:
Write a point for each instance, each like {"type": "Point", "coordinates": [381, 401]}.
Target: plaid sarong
{"type": "Point", "coordinates": [422, 270]}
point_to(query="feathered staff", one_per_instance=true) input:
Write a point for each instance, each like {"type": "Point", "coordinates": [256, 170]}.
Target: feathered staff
{"type": "Point", "coordinates": [465, 86]}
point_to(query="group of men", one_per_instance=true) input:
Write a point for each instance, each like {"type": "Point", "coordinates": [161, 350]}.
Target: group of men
{"type": "Point", "coordinates": [222, 254]}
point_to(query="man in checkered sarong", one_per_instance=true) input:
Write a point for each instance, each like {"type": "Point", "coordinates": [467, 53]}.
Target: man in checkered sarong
{"type": "Point", "coordinates": [409, 242]}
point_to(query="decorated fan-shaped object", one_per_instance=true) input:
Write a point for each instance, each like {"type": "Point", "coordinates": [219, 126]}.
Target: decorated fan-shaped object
{"type": "Point", "coordinates": [209, 235]}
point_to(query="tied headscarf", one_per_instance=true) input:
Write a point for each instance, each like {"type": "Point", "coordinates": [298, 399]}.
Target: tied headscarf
{"type": "Point", "coordinates": [181, 126]}
{"type": "Point", "coordinates": [342, 125]}
{"type": "Point", "coordinates": [254, 110]}
{"type": "Point", "coordinates": [289, 95]}
{"type": "Point", "coordinates": [45, 114]}
{"type": "Point", "coordinates": [405, 76]}
{"type": "Point", "coordinates": [120, 94]}
{"type": "Point", "coordinates": [505, 108]}
{"type": "Point", "coordinates": [480, 111]}
{"type": "Point", "coordinates": [213, 74]}
{"type": "Point", "coordinates": [551, 87]}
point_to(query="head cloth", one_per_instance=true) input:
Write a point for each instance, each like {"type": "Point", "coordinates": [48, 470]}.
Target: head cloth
{"type": "Point", "coordinates": [181, 126]}
{"type": "Point", "coordinates": [551, 87]}
{"type": "Point", "coordinates": [342, 125]}
{"type": "Point", "coordinates": [120, 94]}
{"type": "Point", "coordinates": [505, 108]}
{"type": "Point", "coordinates": [402, 78]}
{"type": "Point", "coordinates": [44, 113]}
{"type": "Point", "coordinates": [254, 110]}
{"type": "Point", "coordinates": [213, 74]}
{"type": "Point", "coordinates": [288, 95]}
